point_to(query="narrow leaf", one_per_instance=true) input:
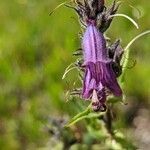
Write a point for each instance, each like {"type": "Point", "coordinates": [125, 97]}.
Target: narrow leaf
{"type": "Point", "coordinates": [86, 114]}
{"type": "Point", "coordinates": [125, 59]}
{"type": "Point", "coordinates": [127, 17]}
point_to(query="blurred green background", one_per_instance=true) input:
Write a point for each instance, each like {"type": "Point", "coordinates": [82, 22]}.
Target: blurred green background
{"type": "Point", "coordinates": [35, 49]}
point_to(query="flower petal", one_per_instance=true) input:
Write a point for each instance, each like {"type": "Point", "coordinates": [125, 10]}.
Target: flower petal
{"type": "Point", "coordinates": [94, 45]}
{"type": "Point", "coordinates": [109, 79]}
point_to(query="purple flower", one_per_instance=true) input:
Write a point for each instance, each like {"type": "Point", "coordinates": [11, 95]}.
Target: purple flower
{"type": "Point", "coordinates": [99, 79]}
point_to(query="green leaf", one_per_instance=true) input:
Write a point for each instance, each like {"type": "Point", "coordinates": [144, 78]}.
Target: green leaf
{"type": "Point", "coordinates": [86, 114]}
{"type": "Point", "coordinates": [127, 17]}
{"type": "Point", "coordinates": [126, 56]}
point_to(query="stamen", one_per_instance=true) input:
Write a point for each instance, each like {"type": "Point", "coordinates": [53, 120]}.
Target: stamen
{"type": "Point", "coordinates": [94, 97]}
{"type": "Point", "coordinates": [95, 101]}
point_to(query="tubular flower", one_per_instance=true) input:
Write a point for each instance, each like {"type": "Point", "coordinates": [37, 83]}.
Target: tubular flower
{"type": "Point", "coordinates": [99, 78]}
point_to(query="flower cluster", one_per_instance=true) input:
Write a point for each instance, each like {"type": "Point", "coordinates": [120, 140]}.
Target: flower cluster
{"type": "Point", "coordinates": [96, 11]}
{"type": "Point", "coordinates": [101, 64]}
